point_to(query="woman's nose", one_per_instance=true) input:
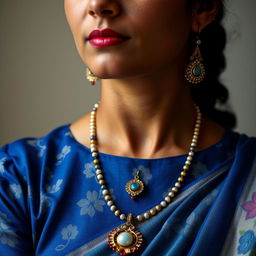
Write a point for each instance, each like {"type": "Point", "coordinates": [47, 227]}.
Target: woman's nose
{"type": "Point", "coordinates": [104, 8]}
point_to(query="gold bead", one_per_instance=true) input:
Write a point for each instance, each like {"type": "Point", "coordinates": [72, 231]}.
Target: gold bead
{"type": "Point", "coordinates": [159, 207]}
{"type": "Point", "coordinates": [96, 161]}
{"type": "Point", "coordinates": [181, 179]}
{"type": "Point", "coordinates": [107, 197]}
{"type": "Point", "coordinates": [102, 182]}
{"type": "Point", "coordinates": [117, 212]}
{"type": "Point", "coordinates": [152, 212]}
{"type": "Point", "coordinates": [93, 141]}
{"type": "Point", "coordinates": [186, 167]}
{"type": "Point", "coordinates": [183, 174]}
{"type": "Point", "coordinates": [174, 189]}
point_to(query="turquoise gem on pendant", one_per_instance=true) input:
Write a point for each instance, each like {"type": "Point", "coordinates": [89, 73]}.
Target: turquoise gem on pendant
{"type": "Point", "coordinates": [124, 239]}
{"type": "Point", "coordinates": [134, 186]}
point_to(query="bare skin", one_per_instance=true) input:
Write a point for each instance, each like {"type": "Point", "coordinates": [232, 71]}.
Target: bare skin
{"type": "Point", "coordinates": [146, 110]}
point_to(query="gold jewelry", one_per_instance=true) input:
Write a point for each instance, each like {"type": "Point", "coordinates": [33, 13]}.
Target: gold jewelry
{"type": "Point", "coordinates": [135, 187]}
{"type": "Point", "coordinates": [195, 71]}
{"type": "Point", "coordinates": [91, 77]}
{"type": "Point", "coordinates": [125, 239]}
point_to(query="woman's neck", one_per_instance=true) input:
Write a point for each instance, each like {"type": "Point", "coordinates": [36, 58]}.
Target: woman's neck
{"type": "Point", "coordinates": [146, 118]}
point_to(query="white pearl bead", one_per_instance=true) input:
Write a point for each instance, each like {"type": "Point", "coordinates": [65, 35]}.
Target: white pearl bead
{"type": "Point", "coordinates": [99, 171]}
{"type": "Point", "coordinates": [146, 215]}
{"type": "Point", "coordinates": [96, 105]}
{"type": "Point", "coordinates": [177, 184]}
{"type": "Point", "coordinates": [167, 199]}
{"type": "Point", "coordinates": [189, 158]}
{"type": "Point", "coordinates": [139, 217]}
{"type": "Point", "coordinates": [188, 162]}
{"type": "Point", "coordinates": [122, 217]}
{"type": "Point", "coordinates": [100, 176]}
{"type": "Point", "coordinates": [163, 203]}
{"type": "Point", "coordinates": [94, 154]}
{"type": "Point", "coordinates": [171, 194]}
{"type": "Point", "coordinates": [191, 153]}
{"type": "Point", "coordinates": [193, 144]}
{"type": "Point", "coordinates": [174, 189]}
{"type": "Point", "coordinates": [105, 192]}
{"type": "Point", "coordinates": [113, 208]}
{"type": "Point", "coordinates": [110, 203]}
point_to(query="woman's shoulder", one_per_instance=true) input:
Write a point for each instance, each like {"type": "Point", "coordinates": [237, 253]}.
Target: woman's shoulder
{"type": "Point", "coordinates": [34, 149]}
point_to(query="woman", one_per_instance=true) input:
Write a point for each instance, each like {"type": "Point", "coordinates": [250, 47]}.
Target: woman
{"type": "Point", "coordinates": [154, 169]}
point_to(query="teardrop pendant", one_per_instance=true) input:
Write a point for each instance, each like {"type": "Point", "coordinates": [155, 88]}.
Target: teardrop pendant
{"type": "Point", "coordinates": [135, 187]}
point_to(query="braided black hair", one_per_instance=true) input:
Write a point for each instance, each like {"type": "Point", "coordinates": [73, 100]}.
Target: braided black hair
{"type": "Point", "coordinates": [211, 91]}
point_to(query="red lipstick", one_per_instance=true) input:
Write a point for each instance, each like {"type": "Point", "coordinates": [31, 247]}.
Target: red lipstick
{"type": "Point", "coordinates": [106, 37]}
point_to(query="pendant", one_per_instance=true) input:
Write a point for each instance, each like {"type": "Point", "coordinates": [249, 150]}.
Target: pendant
{"type": "Point", "coordinates": [134, 187]}
{"type": "Point", "coordinates": [125, 239]}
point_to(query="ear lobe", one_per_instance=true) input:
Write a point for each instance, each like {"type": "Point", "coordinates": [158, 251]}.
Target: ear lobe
{"type": "Point", "coordinates": [204, 14]}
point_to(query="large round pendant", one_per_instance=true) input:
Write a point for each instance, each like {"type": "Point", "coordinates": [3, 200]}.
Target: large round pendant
{"type": "Point", "coordinates": [125, 239]}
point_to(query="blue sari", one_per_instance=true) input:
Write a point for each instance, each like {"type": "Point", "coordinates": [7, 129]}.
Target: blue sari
{"type": "Point", "coordinates": [51, 204]}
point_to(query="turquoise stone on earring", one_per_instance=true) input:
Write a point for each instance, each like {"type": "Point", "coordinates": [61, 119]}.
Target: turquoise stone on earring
{"type": "Point", "coordinates": [134, 186]}
{"type": "Point", "coordinates": [197, 71]}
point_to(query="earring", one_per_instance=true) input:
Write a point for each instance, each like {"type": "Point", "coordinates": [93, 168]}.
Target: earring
{"type": "Point", "coordinates": [91, 77]}
{"type": "Point", "coordinates": [195, 71]}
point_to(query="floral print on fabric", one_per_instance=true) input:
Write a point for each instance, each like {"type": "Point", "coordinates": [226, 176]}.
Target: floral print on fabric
{"type": "Point", "coordinates": [247, 242]}
{"type": "Point", "coordinates": [198, 169]}
{"type": "Point", "coordinates": [15, 191]}
{"type": "Point", "coordinates": [250, 207]}
{"type": "Point", "coordinates": [68, 233]}
{"type": "Point", "coordinates": [89, 170]}
{"type": "Point", "coordinates": [91, 204]}
{"type": "Point", "coordinates": [7, 236]}
{"type": "Point", "coordinates": [36, 143]}
{"type": "Point", "coordinates": [64, 152]}
{"type": "Point", "coordinates": [2, 161]}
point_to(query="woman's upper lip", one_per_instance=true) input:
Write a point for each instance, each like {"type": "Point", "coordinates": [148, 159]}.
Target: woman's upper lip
{"type": "Point", "coordinates": [107, 32]}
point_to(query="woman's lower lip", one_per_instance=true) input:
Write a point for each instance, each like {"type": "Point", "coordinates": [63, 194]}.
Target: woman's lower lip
{"type": "Point", "coordinates": [106, 41]}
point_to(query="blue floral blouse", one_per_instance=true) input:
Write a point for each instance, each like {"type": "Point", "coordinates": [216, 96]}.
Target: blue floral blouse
{"type": "Point", "coordinates": [51, 203]}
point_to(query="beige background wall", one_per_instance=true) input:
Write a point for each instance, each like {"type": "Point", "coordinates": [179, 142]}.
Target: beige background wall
{"type": "Point", "coordinates": [42, 78]}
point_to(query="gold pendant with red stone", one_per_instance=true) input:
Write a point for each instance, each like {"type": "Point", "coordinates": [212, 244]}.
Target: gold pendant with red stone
{"type": "Point", "coordinates": [134, 187]}
{"type": "Point", "coordinates": [125, 239]}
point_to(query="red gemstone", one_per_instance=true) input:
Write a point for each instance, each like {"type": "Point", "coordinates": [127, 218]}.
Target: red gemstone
{"type": "Point", "coordinates": [123, 253]}
{"type": "Point", "coordinates": [92, 83]}
{"type": "Point", "coordinates": [132, 197]}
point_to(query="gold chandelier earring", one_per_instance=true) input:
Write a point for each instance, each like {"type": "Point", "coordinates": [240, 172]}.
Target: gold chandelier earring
{"type": "Point", "coordinates": [91, 77]}
{"type": "Point", "coordinates": [195, 71]}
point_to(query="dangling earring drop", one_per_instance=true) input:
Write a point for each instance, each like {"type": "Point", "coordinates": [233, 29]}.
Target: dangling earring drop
{"type": "Point", "coordinates": [195, 71]}
{"type": "Point", "coordinates": [91, 77]}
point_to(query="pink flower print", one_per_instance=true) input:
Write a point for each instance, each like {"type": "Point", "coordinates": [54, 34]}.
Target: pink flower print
{"type": "Point", "coordinates": [250, 207]}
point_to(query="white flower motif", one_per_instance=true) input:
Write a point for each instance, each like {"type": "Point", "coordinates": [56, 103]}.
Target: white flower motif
{"type": "Point", "coordinates": [15, 190]}
{"type": "Point", "coordinates": [7, 236]}
{"type": "Point", "coordinates": [2, 161]}
{"type": "Point", "coordinates": [91, 204]}
{"type": "Point", "coordinates": [89, 170]}
{"type": "Point", "coordinates": [36, 143]}
{"type": "Point", "coordinates": [44, 203]}
{"type": "Point", "coordinates": [144, 173]}
{"type": "Point", "coordinates": [68, 134]}
{"type": "Point", "coordinates": [68, 233]}
{"type": "Point", "coordinates": [64, 152]}
{"type": "Point", "coordinates": [55, 188]}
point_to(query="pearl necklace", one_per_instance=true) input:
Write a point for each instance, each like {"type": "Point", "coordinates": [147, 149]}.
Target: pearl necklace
{"type": "Point", "coordinates": [125, 239]}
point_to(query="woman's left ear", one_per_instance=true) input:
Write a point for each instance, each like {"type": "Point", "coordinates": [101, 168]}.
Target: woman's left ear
{"type": "Point", "coordinates": [204, 13]}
